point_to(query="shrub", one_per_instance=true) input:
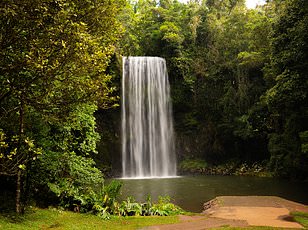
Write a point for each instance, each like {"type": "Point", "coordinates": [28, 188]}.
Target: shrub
{"type": "Point", "coordinates": [193, 165]}
{"type": "Point", "coordinates": [74, 179]}
{"type": "Point", "coordinates": [110, 195]}
{"type": "Point", "coordinates": [163, 207]}
{"type": "Point", "coordinates": [129, 207]}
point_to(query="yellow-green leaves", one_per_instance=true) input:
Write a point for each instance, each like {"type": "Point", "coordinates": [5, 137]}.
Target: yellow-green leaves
{"type": "Point", "coordinates": [15, 153]}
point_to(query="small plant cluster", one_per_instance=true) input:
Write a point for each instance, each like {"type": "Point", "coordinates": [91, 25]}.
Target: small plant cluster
{"type": "Point", "coordinates": [197, 166]}
{"type": "Point", "coordinates": [105, 204]}
{"type": "Point", "coordinates": [301, 217]}
{"type": "Point", "coordinates": [163, 207]}
{"type": "Point", "coordinates": [193, 166]}
{"type": "Point", "coordinates": [252, 170]}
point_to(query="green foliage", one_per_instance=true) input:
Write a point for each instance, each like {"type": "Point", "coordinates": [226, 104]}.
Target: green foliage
{"type": "Point", "coordinates": [67, 166]}
{"type": "Point", "coordinates": [170, 33]}
{"type": "Point", "coordinates": [238, 77]}
{"type": "Point", "coordinates": [304, 140]}
{"type": "Point", "coordinates": [256, 169]}
{"type": "Point", "coordinates": [105, 203]}
{"type": "Point", "coordinates": [77, 132]}
{"type": "Point", "coordinates": [147, 206]}
{"type": "Point", "coordinates": [10, 161]}
{"type": "Point", "coordinates": [86, 191]}
{"type": "Point", "coordinates": [301, 217]}
{"type": "Point", "coordinates": [129, 207]}
{"type": "Point", "coordinates": [110, 194]}
{"type": "Point", "coordinates": [53, 75]}
{"type": "Point", "coordinates": [193, 165]}
{"type": "Point", "coordinates": [218, 59]}
{"type": "Point", "coordinates": [287, 96]}
{"type": "Point", "coordinates": [164, 208]}
{"type": "Point", "coordinates": [65, 51]}
{"type": "Point", "coordinates": [74, 179]}
{"type": "Point", "coordinates": [232, 167]}
{"type": "Point", "coordinates": [102, 200]}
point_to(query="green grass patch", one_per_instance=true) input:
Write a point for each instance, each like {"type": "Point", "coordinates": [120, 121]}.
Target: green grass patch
{"type": "Point", "coordinates": [301, 217]}
{"type": "Point", "coordinates": [56, 219]}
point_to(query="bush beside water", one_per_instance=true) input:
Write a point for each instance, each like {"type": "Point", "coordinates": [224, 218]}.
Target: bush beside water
{"type": "Point", "coordinates": [198, 166]}
{"type": "Point", "coordinates": [105, 204]}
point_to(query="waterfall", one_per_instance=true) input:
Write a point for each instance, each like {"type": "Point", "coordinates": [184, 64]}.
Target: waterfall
{"type": "Point", "coordinates": [147, 126]}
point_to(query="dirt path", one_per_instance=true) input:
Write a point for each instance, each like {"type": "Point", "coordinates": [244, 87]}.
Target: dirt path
{"type": "Point", "coordinates": [240, 211]}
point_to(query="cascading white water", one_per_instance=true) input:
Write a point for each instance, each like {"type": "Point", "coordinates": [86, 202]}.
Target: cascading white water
{"type": "Point", "coordinates": [147, 126]}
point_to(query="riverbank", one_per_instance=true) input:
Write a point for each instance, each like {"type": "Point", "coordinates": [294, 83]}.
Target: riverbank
{"type": "Point", "coordinates": [190, 192]}
{"type": "Point", "coordinates": [201, 167]}
{"type": "Point", "coordinates": [241, 212]}
{"type": "Point", "coordinates": [225, 212]}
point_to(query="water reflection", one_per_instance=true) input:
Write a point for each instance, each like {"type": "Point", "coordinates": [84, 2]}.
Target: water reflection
{"type": "Point", "coordinates": [191, 192]}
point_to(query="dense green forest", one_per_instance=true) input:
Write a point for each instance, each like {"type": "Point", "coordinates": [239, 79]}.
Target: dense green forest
{"type": "Point", "coordinates": [238, 80]}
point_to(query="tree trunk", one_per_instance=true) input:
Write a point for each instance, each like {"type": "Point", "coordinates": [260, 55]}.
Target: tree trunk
{"type": "Point", "coordinates": [19, 207]}
{"type": "Point", "coordinates": [18, 193]}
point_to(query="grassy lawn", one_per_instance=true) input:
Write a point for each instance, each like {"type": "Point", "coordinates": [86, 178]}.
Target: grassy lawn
{"type": "Point", "coordinates": [301, 217]}
{"type": "Point", "coordinates": [55, 219]}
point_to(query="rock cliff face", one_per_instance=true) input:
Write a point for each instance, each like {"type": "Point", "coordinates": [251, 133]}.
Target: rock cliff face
{"type": "Point", "coordinates": [200, 143]}
{"type": "Point", "coordinates": [108, 157]}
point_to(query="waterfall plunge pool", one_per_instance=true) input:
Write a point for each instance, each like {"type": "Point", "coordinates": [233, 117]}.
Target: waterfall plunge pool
{"type": "Point", "coordinates": [190, 192]}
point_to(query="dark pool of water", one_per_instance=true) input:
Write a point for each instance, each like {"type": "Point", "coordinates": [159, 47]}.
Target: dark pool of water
{"type": "Point", "coordinates": [190, 192]}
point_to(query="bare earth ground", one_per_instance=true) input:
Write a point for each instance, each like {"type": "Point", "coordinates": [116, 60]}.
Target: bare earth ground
{"type": "Point", "coordinates": [240, 211]}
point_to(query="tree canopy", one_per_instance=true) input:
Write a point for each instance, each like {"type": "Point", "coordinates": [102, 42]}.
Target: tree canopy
{"type": "Point", "coordinates": [53, 74]}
